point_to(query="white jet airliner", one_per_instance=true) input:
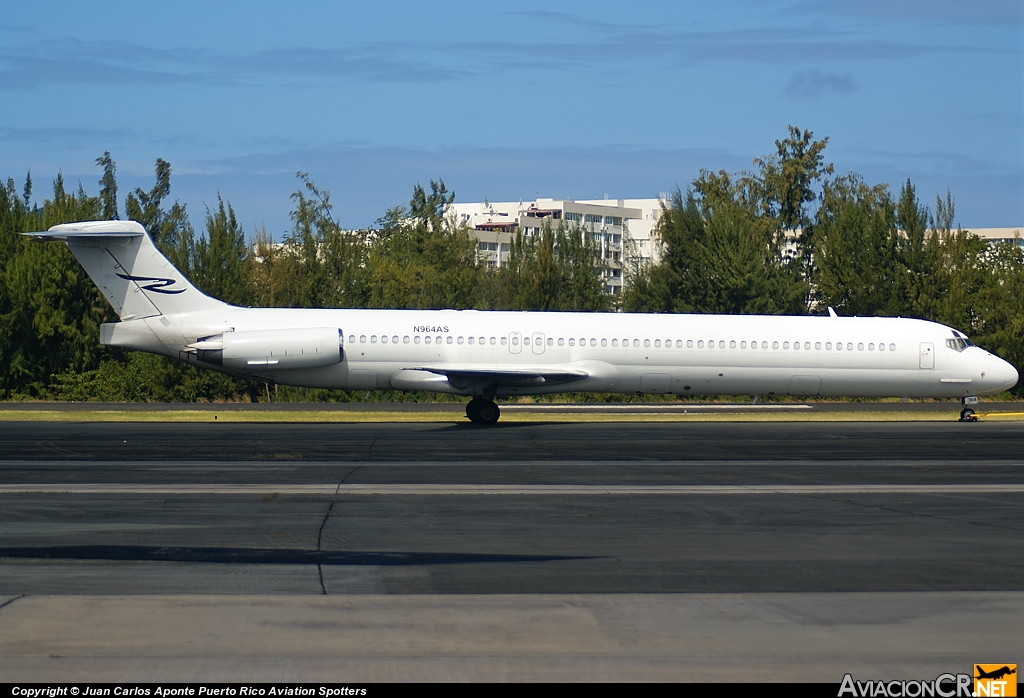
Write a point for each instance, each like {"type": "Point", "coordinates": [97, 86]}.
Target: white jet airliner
{"type": "Point", "coordinates": [485, 354]}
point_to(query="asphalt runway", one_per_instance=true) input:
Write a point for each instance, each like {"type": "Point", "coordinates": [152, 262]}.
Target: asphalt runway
{"type": "Point", "coordinates": [447, 551]}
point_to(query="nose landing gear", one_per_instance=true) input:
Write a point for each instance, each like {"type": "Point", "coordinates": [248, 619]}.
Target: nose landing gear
{"type": "Point", "coordinates": [482, 411]}
{"type": "Point", "coordinates": [967, 414]}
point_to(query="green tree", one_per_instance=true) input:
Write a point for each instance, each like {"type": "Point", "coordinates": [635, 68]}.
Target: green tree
{"type": "Point", "coordinates": [558, 269]}
{"type": "Point", "coordinates": [221, 258]}
{"type": "Point", "coordinates": [421, 257]}
{"type": "Point", "coordinates": [858, 269]}
{"type": "Point", "coordinates": [108, 187]}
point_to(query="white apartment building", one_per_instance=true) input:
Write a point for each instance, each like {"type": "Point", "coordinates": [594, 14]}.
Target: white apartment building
{"type": "Point", "coordinates": [619, 227]}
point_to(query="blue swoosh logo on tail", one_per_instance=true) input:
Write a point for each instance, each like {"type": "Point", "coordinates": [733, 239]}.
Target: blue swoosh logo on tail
{"type": "Point", "coordinates": [154, 283]}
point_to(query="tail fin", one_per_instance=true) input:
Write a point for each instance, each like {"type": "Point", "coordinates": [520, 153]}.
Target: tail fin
{"type": "Point", "coordinates": [135, 277]}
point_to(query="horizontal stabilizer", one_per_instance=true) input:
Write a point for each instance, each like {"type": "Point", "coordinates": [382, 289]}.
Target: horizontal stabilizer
{"type": "Point", "coordinates": [92, 230]}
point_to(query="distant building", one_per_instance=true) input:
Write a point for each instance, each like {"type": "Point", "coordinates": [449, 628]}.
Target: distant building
{"type": "Point", "coordinates": [996, 235]}
{"type": "Point", "coordinates": [619, 227]}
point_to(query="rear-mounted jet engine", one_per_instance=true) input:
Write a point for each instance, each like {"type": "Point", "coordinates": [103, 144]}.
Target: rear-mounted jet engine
{"type": "Point", "coordinates": [262, 350]}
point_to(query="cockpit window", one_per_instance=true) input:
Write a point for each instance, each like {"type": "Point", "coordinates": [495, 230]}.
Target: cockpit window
{"type": "Point", "coordinates": [959, 343]}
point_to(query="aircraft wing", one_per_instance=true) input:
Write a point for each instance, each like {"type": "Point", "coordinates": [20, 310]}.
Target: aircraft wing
{"type": "Point", "coordinates": [463, 375]}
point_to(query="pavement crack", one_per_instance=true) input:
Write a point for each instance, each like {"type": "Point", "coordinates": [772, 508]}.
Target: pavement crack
{"type": "Point", "coordinates": [323, 524]}
{"type": "Point", "coordinates": [10, 601]}
{"type": "Point", "coordinates": [319, 540]}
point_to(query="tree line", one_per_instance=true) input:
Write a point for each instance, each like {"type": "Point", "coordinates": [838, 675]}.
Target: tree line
{"type": "Point", "coordinates": [789, 236]}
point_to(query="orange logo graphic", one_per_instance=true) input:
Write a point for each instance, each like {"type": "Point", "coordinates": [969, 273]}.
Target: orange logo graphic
{"type": "Point", "coordinates": [995, 680]}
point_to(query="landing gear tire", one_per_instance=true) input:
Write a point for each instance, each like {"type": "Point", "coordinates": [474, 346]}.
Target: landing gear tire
{"type": "Point", "coordinates": [967, 415]}
{"type": "Point", "coordinates": [482, 411]}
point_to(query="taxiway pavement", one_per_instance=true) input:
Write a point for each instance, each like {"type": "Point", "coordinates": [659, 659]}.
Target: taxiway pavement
{"type": "Point", "coordinates": [405, 551]}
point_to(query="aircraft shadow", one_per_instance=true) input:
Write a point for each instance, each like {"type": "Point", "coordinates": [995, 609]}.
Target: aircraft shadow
{"type": "Point", "coordinates": [265, 556]}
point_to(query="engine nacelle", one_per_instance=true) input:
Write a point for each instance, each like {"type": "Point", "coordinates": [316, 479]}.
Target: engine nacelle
{"type": "Point", "coordinates": [273, 350]}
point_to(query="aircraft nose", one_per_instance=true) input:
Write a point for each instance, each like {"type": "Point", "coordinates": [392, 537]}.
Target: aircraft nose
{"type": "Point", "coordinates": [1003, 373]}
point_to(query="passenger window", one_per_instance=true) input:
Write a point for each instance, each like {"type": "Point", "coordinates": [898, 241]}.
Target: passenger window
{"type": "Point", "coordinates": [881, 346]}
{"type": "Point", "coordinates": [426, 340]}
{"type": "Point", "coordinates": [657, 342]}
{"type": "Point", "coordinates": [817, 346]}
{"type": "Point", "coordinates": [351, 339]}
{"type": "Point", "coordinates": [551, 342]}
{"type": "Point", "coordinates": [785, 345]}
{"type": "Point", "coordinates": [615, 342]}
{"type": "Point", "coordinates": [860, 346]}
{"type": "Point", "coordinates": [732, 343]}
{"type": "Point", "coordinates": [700, 343]}
{"type": "Point", "coordinates": [461, 340]}
{"type": "Point", "coordinates": [384, 339]}
{"type": "Point", "coordinates": [892, 347]}
{"type": "Point", "coordinates": [448, 340]}
{"type": "Point", "coordinates": [604, 342]}
{"type": "Point", "coordinates": [636, 342]}
{"type": "Point", "coordinates": [764, 345]}
{"type": "Point", "coordinates": [593, 342]}
{"type": "Point", "coordinates": [572, 342]}
{"type": "Point", "coordinates": [775, 344]}
{"type": "Point", "coordinates": [828, 346]}
{"type": "Point", "coordinates": [405, 339]}
{"type": "Point", "coordinates": [561, 342]}
{"type": "Point", "coordinates": [504, 341]}
{"type": "Point", "coordinates": [647, 342]}
{"type": "Point", "coordinates": [394, 339]}
{"type": "Point", "coordinates": [721, 344]}
{"type": "Point", "coordinates": [526, 341]}
{"type": "Point", "coordinates": [849, 346]}
{"type": "Point", "coordinates": [743, 344]}
{"type": "Point", "coordinates": [689, 344]}
{"type": "Point", "coordinates": [416, 339]}
{"type": "Point", "coordinates": [679, 344]}
{"type": "Point", "coordinates": [515, 340]}
{"type": "Point", "coordinates": [483, 340]}
{"type": "Point", "coordinates": [871, 347]}
{"type": "Point", "coordinates": [362, 339]}
{"type": "Point", "coordinates": [839, 346]}
{"type": "Point", "coordinates": [470, 340]}
{"type": "Point", "coordinates": [373, 339]}
{"type": "Point", "coordinates": [807, 346]}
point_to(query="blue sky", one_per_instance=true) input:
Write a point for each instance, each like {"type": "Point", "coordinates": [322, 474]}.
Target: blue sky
{"type": "Point", "coordinates": [511, 101]}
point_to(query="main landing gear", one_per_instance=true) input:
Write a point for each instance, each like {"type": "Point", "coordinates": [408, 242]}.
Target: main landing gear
{"type": "Point", "coordinates": [482, 411]}
{"type": "Point", "coordinates": [967, 414]}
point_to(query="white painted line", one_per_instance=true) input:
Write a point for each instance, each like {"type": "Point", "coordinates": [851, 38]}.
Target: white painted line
{"type": "Point", "coordinates": [647, 409]}
{"type": "Point", "coordinates": [502, 490]}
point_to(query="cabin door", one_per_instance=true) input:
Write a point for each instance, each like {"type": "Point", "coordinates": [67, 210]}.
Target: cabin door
{"type": "Point", "coordinates": [515, 342]}
{"type": "Point", "coordinates": [927, 355]}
